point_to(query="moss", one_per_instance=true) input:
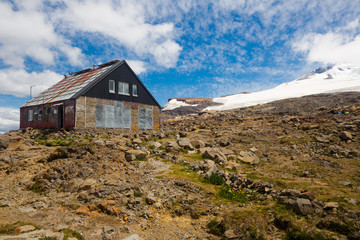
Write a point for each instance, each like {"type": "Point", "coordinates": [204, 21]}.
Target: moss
{"type": "Point", "coordinates": [68, 233]}
{"type": "Point", "coordinates": [48, 238]}
{"type": "Point", "coordinates": [338, 227]}
{"type": "Point", "coordinates": [215, 179]}
{"type": "Point", "coordinates": [234, 196]}
{"type": "Point", "coordinates": [216, 228]}
{"type": "Point", "coordinates": [138, 194]}
{"type": "Point", "coordinates": [37, 188]}
{"type": "Point", "coordinates": [9, 229]}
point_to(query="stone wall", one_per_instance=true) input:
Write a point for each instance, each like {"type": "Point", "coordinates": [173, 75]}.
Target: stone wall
{"type": "Point", "coordinates": [86, 112]}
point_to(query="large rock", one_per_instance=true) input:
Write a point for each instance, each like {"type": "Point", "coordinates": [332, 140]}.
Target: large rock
{"type": "Point", "coordinates": [301, 206]}
{"type": "Point", "coordinates": [290, 193]}
{"type": "Point", "coordinates": [185, 143]}
{"type": "Point", "coordinates": [345, 136]}
{"type": "Point", "coordinates": [197, 143]}
{"type": "Point", "coordinates": [215, 154]}
{"type": "Point", "coordinates": [4, 141]}
{"type": "Point", "coordinates": [138, 154]}
{"type": "Point", "coordinates": [249, 157]}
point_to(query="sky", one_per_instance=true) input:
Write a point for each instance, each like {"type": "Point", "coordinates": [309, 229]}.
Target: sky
{"type": "Point", "coordinates": [182, 48]}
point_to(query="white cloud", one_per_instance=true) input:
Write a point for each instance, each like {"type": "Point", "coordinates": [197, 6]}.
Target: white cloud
{"type": "Point", "coordinates": [329, 48]}
{"type": "Point", "coordinates": [125, 23]}
{"type": "Point", "coordinates": [9, 119]}
{"type": "Point", "coordinates": [17, 82]}
{"type": "Point", "coordinates": [137, 66]}
{"type": "Point", "coordinates": [28, 32]}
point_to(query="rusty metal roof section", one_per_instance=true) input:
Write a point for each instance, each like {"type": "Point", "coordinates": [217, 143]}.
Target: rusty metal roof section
{"type": "Point", "coordinates": [73, 84]}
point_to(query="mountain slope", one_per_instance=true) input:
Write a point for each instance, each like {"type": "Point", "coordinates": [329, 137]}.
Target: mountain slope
{"type": "Point", "coordinates": [339, 78]}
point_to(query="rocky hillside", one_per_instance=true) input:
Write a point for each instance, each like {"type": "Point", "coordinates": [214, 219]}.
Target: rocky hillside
{"type": "Point", "coordinates": [285, 170]}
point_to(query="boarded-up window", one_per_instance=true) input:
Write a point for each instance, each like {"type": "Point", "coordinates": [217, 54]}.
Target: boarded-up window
{"type": "Point", "coordinates": [113, 116]}
{"type": "Point", "coordinates": [145, 118]}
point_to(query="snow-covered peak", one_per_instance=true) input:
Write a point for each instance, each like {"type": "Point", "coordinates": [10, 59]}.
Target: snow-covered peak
{"type": "Point", "coordinates": [174, 103]}
{"type": "Point", "coordinates": [339, 78]}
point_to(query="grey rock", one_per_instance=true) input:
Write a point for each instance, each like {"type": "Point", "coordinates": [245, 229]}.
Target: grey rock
{"type": "Point", "coordinates": [4, 141]}
{"type": "Point", "coordinates": [331, 205]}
{"type": "Point", "coordinates": [290, 193]}
{"type": "Point", "coordinates": [249, 157]}
{"type": "Point", "coordinates": [215, 154]}
{"type": "Point", "coordinates": [345, 183]}
{"type": "Point", "coordinates": [197, 143]}
{"type": "Point", "coordinates": [301, 206]}
{"type": "Point", "coordinates": [345, 136]}
{"type": "Point", "coordinates": [139, 154]}
{"type": "Point", "coordinates": [132, 237]}
{"type": "Point", "coordinates": [185, 143]}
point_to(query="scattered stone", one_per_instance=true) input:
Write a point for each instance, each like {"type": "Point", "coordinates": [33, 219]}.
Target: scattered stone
{"type": "Point", "coordinates": [230, 234]}
{"type": "Point", "coordinates": [215, 154]}
{"type": "Point", "coordinates": [345, 136]}
{"type": "Point", "coordinates": [137, 141]}
{"type": "Point", "coordinates": [197, 143]}
{"type": "Point", "coordinates": [345, 183]}
{"type": "Point", "coordinates": [331, 205]}
{"type": "Point", "coordinates": [185, 143]}
{"type": "Point", "coordinates": [249, 157]}
{"type": "Point", "coordinates": [290, 192]}
{"type": "Point", "coordinates": [25, 228]}
{"type": "Point", "coordinates": [139, 154]}
{"type": "Point", "coordinates": [151, 200]}
{"type": "Point", "coordinates": [155, 144]}
{"type": "Point", "coordinates": [4, 141]}
{"type": "Point", "coordinates": [132, 237]}
{"type": "Point", "coordinates": [301, 206]}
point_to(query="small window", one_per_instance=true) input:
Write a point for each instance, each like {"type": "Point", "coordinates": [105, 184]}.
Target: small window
{"type": "Point", "coordinates": [123, 88]}
{"type": "Point", "coordinates": [30, 115]}
{"type": "Point", "coordinates": [48, 110]}
{"type": "Point", "coordinates": [111, 86]}
{"type": "Point", "coordinates": [134, 90]}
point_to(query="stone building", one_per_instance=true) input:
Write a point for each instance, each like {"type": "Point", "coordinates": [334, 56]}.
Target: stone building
{"type": "Point", "coordinates": [109, 95]}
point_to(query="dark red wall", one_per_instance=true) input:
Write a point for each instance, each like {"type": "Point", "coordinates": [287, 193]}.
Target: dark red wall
{"type": "Point", "coordinates": [49, 120]}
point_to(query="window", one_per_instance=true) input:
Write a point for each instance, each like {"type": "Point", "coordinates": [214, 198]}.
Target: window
{"type": "Point", "coordinates": [111, 86]}
{"type": "Point", "coordinates": [39, 112]}
{"type": "Point", "coordinates": [30, 115]}
{"type": "Point", "coordinates": [48, 110]}
{"type": "Point", "coordinates": [123, 88]}
{"type": "Point", "coordinates": [134, 90]}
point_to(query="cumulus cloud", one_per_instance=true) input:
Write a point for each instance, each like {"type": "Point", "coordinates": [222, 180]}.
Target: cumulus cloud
{"type": "Point", "coordinates": [9, 119]}
{"type": "Point", "coordinates": [329, 48]}
{"type": "Point", "coordinates": [26, 31]}
{"type": "Point", "coordinates": [137, 66]}
{"type": "Point", "coordinates": [125, 23]}
{"type": "Point", "coordinates": [17, 82]}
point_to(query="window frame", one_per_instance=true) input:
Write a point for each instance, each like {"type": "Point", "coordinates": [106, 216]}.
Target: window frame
{"type": "Point", "coordinates": [134, 87]}
{"type": "Point", "coordinates": [121, 90]}
{"type": "Point", "coordinates": [112, 83]}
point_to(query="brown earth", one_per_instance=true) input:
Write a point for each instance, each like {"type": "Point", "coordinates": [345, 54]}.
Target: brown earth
{"type": "Point", "coordinates": [284, 170]}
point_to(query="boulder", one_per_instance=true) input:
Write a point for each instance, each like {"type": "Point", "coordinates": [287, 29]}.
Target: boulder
{"type": "Point", "coordinates": [155, 144]}
{"type": "Point", "coordinates": [137, 141]}
{"type": "Point", "coordinates": [197, 143]}
{"type": "Point", "coordinates": [132, 237]}
{"type": "Point", "coordinates": [301, 206]}
{"type": "Point", "coordinates": [138, 154]}
{"type": "Point", "coordinates": [249, 157]}
{"type": "Point", "coordinates": [215, 154]}
{"type": "Point", "coordinates": [345, 136]}
{"type": "Point", "coordinates": [331, 205]}
{"type": "Point", "coordinates": [25, 228]}
{"type": "Point", "coordinates": [185, 143]}
{"type": "Point", "coordinates": [290, 193]}
{"type": "Point", "coordinates": [4, 141]}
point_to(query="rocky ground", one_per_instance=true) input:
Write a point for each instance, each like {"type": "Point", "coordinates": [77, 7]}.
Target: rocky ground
{"type": "Point", "coordinates": [284, 170]}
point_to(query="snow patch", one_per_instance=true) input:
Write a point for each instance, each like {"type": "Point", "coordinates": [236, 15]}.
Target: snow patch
{"type": "Point", "coordinates": [344, 77]}
{"type": "Point", "coordinates": [174, 103]}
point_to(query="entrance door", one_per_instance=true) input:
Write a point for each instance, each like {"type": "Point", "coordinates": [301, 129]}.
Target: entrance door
{"type": "Point", "coordinates": [60, 116]}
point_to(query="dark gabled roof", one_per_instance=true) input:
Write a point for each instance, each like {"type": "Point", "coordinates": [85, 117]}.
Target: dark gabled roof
{"type": "Point", "coordinates": [78, 83]}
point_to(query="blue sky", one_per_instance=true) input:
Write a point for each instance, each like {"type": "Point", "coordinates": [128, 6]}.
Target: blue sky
{"type": "Point", "coordinates": [183, 48]}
